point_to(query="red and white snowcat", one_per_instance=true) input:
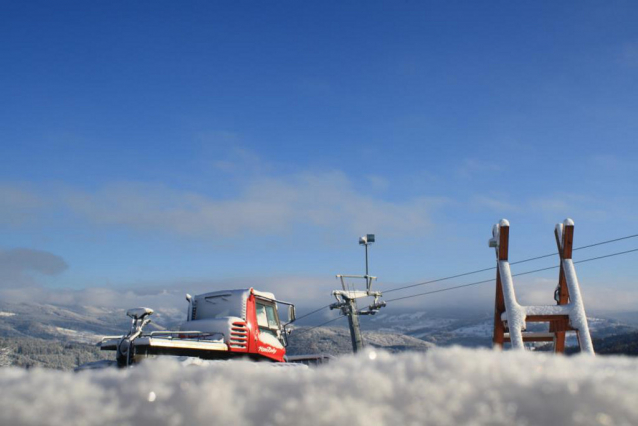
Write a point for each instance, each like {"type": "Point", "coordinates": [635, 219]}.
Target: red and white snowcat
{"type": "Point", "coordinates": [219, 325]}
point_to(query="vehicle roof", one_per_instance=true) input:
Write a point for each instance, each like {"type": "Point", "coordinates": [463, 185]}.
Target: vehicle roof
{"type": "Point", "coordinates": [237, 292]}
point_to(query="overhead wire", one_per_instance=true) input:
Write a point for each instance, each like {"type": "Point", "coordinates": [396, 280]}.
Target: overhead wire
{"type": "Point", "coordinates": [312, 312]}
{"type": "Point", "coordinates": [518, 262]}
{"type": "Point", "coordinates": [513, 275]}
{"type": "Point", "coordinates": [490, 269]}
{"type": "Point", "coordinates": [305, 330]}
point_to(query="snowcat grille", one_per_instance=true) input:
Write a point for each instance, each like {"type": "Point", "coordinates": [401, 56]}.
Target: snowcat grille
{"type": "Point", "coordinates": [238, 336]}
{"type": "Point", "coordinates": [194, 311]}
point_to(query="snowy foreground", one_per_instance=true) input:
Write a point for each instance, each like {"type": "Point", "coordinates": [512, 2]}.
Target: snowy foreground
{"type": "Point", "coordinates": [442, 387]}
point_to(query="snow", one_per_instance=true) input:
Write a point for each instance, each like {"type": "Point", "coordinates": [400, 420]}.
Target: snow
{"type": "Point", "coordinates": [559, 230]}
{"type": "Point", "coordinates": [73, 335]}
{"type": "Point", "coordinates": [269, 339]}
{"type": "Point", "coordinates": [445, 386]}
{"type": "Point", "coordinates": [577, 316]}
{"type": "Point", "coordinates": [139, 312]}
{"type": "Point", "coordinates": [515, 312]}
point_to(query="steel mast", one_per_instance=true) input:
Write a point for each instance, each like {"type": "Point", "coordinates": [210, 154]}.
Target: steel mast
{"type": "Point", "coordinates": [346, 299]}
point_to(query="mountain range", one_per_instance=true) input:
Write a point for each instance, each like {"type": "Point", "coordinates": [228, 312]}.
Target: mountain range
{"type": "Point", "coordinates": [55, 336]}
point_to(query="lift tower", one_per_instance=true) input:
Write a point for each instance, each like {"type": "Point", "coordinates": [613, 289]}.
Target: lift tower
{"type": "Point", "coordinates": [346, 298]}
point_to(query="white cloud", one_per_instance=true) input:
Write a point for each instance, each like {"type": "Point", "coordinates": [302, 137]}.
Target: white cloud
{"type": "Point", "coordinates": [496, 204]}
{"type": "Point", "coordinates": [441, 387]}
{"type": "Point", "coordinates": [17, 204]}
{"type": "Point", "coordinates": [265, 205]}
{"type": "Point", "coordinates": [303, 291]}
{"type": "Point", "coordinates": [573, 205]}
{"type": "Point", "coordinates": [378, 183]}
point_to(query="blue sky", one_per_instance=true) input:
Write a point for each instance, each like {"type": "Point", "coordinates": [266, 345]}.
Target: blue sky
{"type": "Point", "coordinates": [163, 143]}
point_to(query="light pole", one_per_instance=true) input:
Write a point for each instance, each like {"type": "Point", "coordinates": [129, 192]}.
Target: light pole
{"type": "Point", "coordinates": [346, 299]}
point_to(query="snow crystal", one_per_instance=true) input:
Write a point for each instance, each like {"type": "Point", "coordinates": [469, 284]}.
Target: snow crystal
{"type": "Point", "coordinates": [445, 386]}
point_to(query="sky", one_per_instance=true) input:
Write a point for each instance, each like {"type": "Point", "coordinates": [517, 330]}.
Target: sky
{"type": "Point", "coordinates": [167, 145]}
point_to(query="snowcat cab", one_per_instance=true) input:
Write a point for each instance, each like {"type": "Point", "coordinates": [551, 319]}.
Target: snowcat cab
{"type": "Point", "coordinates": [219, 325]}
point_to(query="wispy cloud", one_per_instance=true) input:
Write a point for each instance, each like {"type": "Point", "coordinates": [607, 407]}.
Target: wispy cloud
{"type": "Point", "coordinates": [470, 167]}
{"type": "Point", "coordinates": [572, 205]}
{"type": "Point", "coordinates": [304, 291]}
{"type": "Point", "coordinates": [17, 266]}
{"type": "Point", "coordinates": [492, 203]}
{"type": "Point", "coordinates": [17, 203]}
{"type": "Point", "coordinates": [266, 205]}
{"type": "Point", "coordinates": [597, 296]}
{"type": "Point", "coordinates": [378, 183]}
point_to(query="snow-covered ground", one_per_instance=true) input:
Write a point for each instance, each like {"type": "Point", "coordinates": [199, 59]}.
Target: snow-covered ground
{"type": "Point", "coordinates": [445, 386]}
{"type": "Point", "coordinates": [73, 335]}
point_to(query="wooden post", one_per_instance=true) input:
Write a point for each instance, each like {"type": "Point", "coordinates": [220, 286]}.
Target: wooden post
{"type": "Point", "coordinates": [567, 296]}
{"type": "Point", "coordinates": [499, 306]}
{"type": "Point", "coordinates": [565, 243]}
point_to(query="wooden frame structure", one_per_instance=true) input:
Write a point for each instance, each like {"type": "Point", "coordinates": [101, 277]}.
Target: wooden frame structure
{"type": "Point", "coordinates": [568, 314]}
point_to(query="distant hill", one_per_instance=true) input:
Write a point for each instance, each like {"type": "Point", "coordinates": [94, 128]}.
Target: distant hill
{"type": "Point", "coordinates": [63, 337]}
{"type": "Point", "coordinates": [619, 344]}
{"type": "Point", "coordinates": [29, 352]}
{"type": "Point", "coordinates": [336, 341]}
{"type": "Point", "coordinates": [85, 324]}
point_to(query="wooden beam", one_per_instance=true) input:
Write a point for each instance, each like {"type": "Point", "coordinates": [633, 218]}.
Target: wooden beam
{"type": "Point", "coordinates": [568, 241]}
{"type": "Point", "coordinates": [503, 244]}
{"type": "Point", "coordinates": [546, 318]}
{"type": "Point", "coordinates": [499, 304]}
{"type": "Point", "coordinates": [533, 339]}
{"type": "Point", "coordinates": [499, 308]}
{"type": "Point", "coordinates": [565, 245]}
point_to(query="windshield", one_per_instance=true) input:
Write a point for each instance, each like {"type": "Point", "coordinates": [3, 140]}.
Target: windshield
{"type": "Point", "coordinates": [267, 318]}
{"type": "Point", "coordinates": [218, 306]}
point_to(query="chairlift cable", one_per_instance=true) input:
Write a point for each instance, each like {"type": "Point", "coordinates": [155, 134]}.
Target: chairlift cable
{"type": "Point", "coordinates": [493, 268]}
{"type": "Point", "coordinates": [511, 263]}
{"type": "Point", "coordinates": [514, 275]}
{"type": "Point", "coordinates": [320, 325]}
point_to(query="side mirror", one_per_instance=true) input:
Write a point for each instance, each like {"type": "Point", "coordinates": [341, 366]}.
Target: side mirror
{"type": "Point", "coordinates": [292, 315]}
{"type": "Point", "coordinates": [139, 313]}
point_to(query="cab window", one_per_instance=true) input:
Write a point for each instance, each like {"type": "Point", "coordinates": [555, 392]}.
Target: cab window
{"type": "Point", "coordinates": [267, 319]}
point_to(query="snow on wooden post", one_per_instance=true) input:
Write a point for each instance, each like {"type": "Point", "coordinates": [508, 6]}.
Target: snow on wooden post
{"type": "Point", "coordinates": [500, 241]}
{"type": "Point", "coordinates": [564, 235]}
{"type": "Point", "coordinates": [577, 316]}
{"type": "Point", "coordinates": [510, 317]}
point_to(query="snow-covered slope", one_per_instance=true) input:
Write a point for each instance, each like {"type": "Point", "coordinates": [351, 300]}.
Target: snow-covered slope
{"type": "Point", "coordinates": [468, 328]}
{"type": "Point", "coordinates": [85, 324]}
{"type": "Point", "coordinates": [336, 341]}
{"type": "Point", "coordinates": [444, 386]}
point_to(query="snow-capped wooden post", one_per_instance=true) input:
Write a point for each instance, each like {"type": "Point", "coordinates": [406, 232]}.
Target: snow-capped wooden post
{"type": "Point", "coordinates": [502, 232]}
{"type": "Point", "coordinates": [510, 317]}
{"type": "Point", "coordinates": [564, 243]}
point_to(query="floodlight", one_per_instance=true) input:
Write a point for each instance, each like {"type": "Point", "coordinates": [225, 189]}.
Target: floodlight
{"type": "Point", "coordinates": [366, 239]}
